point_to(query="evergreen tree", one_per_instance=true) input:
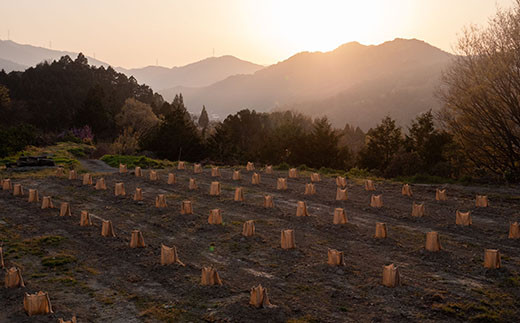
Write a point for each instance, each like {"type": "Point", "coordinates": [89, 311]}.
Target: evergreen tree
{"type": "Point", "coordinates": [384, 142]}
{"type": "Point", "coordinates": [203, 119]}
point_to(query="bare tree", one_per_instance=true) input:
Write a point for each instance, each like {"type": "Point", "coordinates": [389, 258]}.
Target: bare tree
{"type": "Point", "coordinates": [481, 94]}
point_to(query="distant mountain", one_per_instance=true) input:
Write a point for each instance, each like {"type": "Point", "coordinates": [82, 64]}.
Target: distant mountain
{"type": "Point", "coordinates": [28, 55]}
{"type": "Point", "coordinates": [354, 83]}
{"type": "Point", "coordinates": [9, 66]}
{"type": "Point", "coordinates": [198, 74]}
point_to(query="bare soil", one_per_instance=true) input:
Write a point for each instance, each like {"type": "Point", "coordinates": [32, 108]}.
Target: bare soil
{"type": "Point", "coordinates": [103, 280]}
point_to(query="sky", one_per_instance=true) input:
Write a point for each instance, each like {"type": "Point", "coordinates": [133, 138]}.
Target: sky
{"type": "Point", "coordinates": [136, 33]}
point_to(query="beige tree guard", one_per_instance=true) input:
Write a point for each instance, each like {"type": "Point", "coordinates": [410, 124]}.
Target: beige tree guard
{"type": "Point", "coordinates": [181, 165]}
{"type": "Point", "coordinates": [215, 216]}
{"type": "Point", "coordinates": [248, 228]}
{"type": "Point", "coordinates": [310, 189]}
{"type": "Point", "coordinates": [107, 230]}
{"type": "Point", "coordinates": [122, 169]}
{"type": "Point", "coordinates": [433, 242]}
{"type": "Point", "coordinates": [514, 230]}
{"type": "Point", "coordinates": [215, 172]}
{"type": "Point", "coordinates": [100, 184]}
{"type": "Point", "coordinates": [341, 181]}
{"type": "Point", "coordinates": [137, 240]}
{"type": "Point", "coordinates": [481, 201]}
{"type": "Point", "coordinates": [193, 184]}
{"type": "Point", "coordinates": [406, 190]}
{"type": "Point", "coordinates": [2, 264]}
{"type": "Point", "coordinates": [315, 177]}
{"type": "Point", "coordinates": [250, 167]}
{"type": "Point", "coordinates": [376, 201]}
{"type": "Point", "coordinates": [138, 195]}
{"type": "Point", "coordinates": [340, 217]}
{"type": "Point", "coordinates": [492, 259]}
{"type": "Point", "coordinates": [18, 190]}
{"type": "Point", "coordinates": [239, 194]}
{"type": "Point", "coordinates": [87, 179]}
{"type": "Point", "coordinates": [197, 168]}
{"type": "Point", "coordinates": [236, 175]}
{"type": "Point", "coordinates": [335, 258]}
{"type": "Point", "coordinates": [341, 194]}
{"type": "Point", "coordinates": [65, 209]}
{"type": "Point", "coordinates": [214, 189]}
{"type": "Point", "coordinates": [418, 210]}
{"type": "Point", "coordinates": [47, 203]}
{"type": "Point", "coordinates": [85, 219]}
{"type": "Point", "coordinates": [281, 183]}
{"type": "Point", "coordinates": [72, 320]}
{"type": "Point", "coordinates": [293, 173]}
{"type": "Point", "coordinates": [7, 185]}
{"type": "Point", "coordinates": [13, 278]}
{"type": "Point", "coordinates": [255, 179]}
{"type": "Point", "coordinates": [301, 209]}
{"type": "Point", "coordinates": [440, 195]}
{"type": "Point", "coordinates": [170, 256]}
{"type": "Point", "coordinates": [160, 201]}
{"type": "Point", "coordinates": [72, 175]}
{"type": "Point", "coordinates": [33, 196]}
{"type": "Point", "coordinates": [154, 176]}
{"type": "Point", "coordinates": [380, 230]}
{"type": "Point", "coordinates": [171, 178]}
{"type": "Point", "coordinates": [259, 297]}
{"type": "Point", "coordinates": [463, 218]}
{"type": "Point", "coordinates": [59, 172]}
{"type": "Point", "coordinates": [269, 169]}
{"type": "Point", "coordinates": [37, 304]}
{"type": "Point", "coordinates": [120, 189]}
{"type": "Point", "coordinates": [138, 172]}
{"type": "Point", "coordinates": [210, 277]}
{"type": "Point", "coordinates": [268, 201]}
{"type": "Point", "coordinates": [391, 277]}
{"type": "Point", "coordinates": [287, 239]}
{"type": "Point", "coordinates": [186, 207]}
{"type": "Point", "coordinates": [369, 185]}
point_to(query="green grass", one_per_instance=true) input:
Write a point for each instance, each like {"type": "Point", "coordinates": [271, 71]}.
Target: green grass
{"type": "Point", "coordinates": [133, 161]}
{"type": "Point", "coordinates": [58, 260]}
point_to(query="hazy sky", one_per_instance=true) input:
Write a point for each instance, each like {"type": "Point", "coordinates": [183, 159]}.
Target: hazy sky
{"type": "Point", "coordinates": [136, 33]}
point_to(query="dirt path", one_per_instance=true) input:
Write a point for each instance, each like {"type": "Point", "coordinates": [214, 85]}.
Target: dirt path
{"type": "Point", "coordinates": [108, 281]}
{"type": "Point", "coordinates": [97, 166]}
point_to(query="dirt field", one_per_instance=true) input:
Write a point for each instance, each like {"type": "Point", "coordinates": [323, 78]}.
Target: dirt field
{"type": "Point", "coordinates": [103, 280]}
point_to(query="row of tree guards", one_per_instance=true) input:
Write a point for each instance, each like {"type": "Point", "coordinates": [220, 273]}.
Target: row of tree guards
{"type": "Point", "coordinates": [39, 303]}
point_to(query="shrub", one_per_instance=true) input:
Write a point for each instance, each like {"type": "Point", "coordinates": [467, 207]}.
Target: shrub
{"type": "Point", "coordinates": [359, 173]}
{"type": "Point", "coordinates": [282, 166]}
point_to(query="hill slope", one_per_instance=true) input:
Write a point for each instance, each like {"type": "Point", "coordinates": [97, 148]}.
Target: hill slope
{"type": "Point", "coordinates": [9, 66]}
{"type": "Point", "coordinates": [353, 83]}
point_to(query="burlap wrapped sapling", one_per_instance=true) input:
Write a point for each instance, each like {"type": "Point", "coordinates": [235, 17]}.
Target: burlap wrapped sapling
{"type": "Point", "coordinates": [433, 242]}
{"type": "Point", "coordinates": [406, 190]}
{"type": "Point", "coordinates": [87, 179]}
{"type": "Point", "coordinates": [440, 195]}
{"type": "Point", "coordinates": [391, 277]}
{"type": "Point", "coordinates": [33, 196]}
{"type": "Point", "coordinates": [72, 320]}
{"type": "Point", "coordinates": [47, 203]}
{"type": "Point", "coordinates": [340, 217]}
{"type": "Point", "coordinates": [170, 256]}
{"type": "Point", "coordinates": [181, 165]}
{"type": "Point", "coordinates": [255, 179]}
{"type": "Point", "coordinates": [137, 240]}
{"type": "Point", "coordinates": [310, 189]}
{"type": "Point", "coordinates": [214, 189]}
{"type": "Point", "coordinates": [463, 218]}
{"type": "Point", "coordinates": [215, 172]}
{"type": "Point", "coordinates": [236, 175]}
{"type": "Point", "coordinates": [210, 277]}
{"type": "Point", "coordinates": [107, 230]}
{"type": "Point", "coordinates": [514, 230]}
{"type": "Point", "coordinates": [193, 184]}
{"type": "Point", "coordinates": [380, 230]}
{"type": "Point", "coordinates": [418, 210]}
{"type": "Point", "coordinates": [492, 259]}
{"type": "Point", "coordinates": [120, 189]}
{"type": "Point", "coordinates": [341, 181]}
{"type": "Point", "coordinates": [65, 209]}
{"type": "Point", "coordinates": [369, 185]}
{"type": "Point", "coordinates": [37, 304]}
{"type": "Point", "coordinates": [18, 190]}
{"type": "Point", "coordinates": [2, 264]}
{"type": "Point", "coordinates": [138, 195]}
{"type": "Point", "coordinates": [259, 297]}
{"type": "Point", "coordinates": [122, 169]}
{"type": "Point", "coordinates": [138, 172]}
{"type": "Point", "coordinates": [85, 219]}
{"type": "Point", "coordinates": [481, 201]}
{"type": "Point", "coordinates": [335, 258]}
{"type": "Point", "coordinates": [171, 178]}
{"type": "Point", "coordinates": [215, 216]}
{"type": "Point", "coordinates": [376, 201]}
{"type": "Point", "coordinates": [13, 278]}
{"type": "Point", "coordinates": [197, 168]}
{"type": "Point", "coordinates": [72, 175]}
{"type": "Point", "coordinates": [160, 201]}
{"type": "Point", "coordinates": [100, 184]}
{"type": "Point", "coordinates": [341, 194]}
{"type": "Point", "coordinates": [315, 177]}
{"type": "Point", "coordinates": [293, 173]}
{"type": "Point", "coordinates": [7, 184]}
{"type": "Point", "coordinates": [268, 201]}
{"type": "Point", "coordinates": [59, 172]}
{"type": "Point", "coordinates": [301, 209]}
{"type": "Point", "coordinates": [154, 176]}
{"type": "Point", "coordinates": [249, 228]}
{"type": "Point", "coordinates": [239, 194]}
{"type": "Point", "coordinates": [281, 183]}
{"type": "Point", "coordinates": [186, 207]}
{"type": "Point", "coordinates": [269, 169]}
{"type": "Point", "coordinates": [250, 167]}
{"type": "Point", "coordinates": [287, 239]}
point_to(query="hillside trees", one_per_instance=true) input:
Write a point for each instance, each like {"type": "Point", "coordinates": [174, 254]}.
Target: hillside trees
{"type": "Point", "coordinates": [481, 92]}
